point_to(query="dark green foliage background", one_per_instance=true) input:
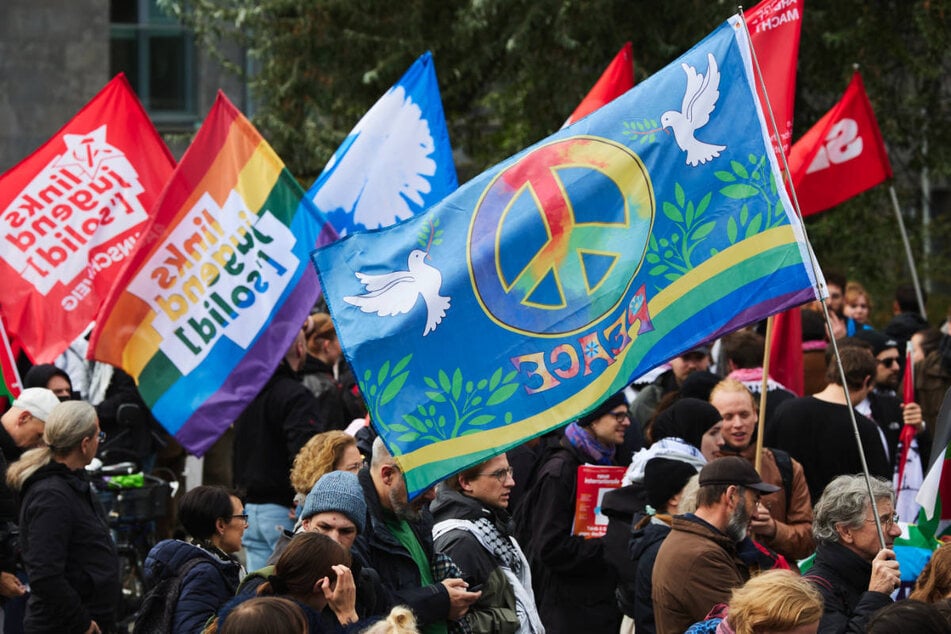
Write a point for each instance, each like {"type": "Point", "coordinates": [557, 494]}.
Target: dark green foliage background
{"type": "Point", "coordinates": [511, 71]}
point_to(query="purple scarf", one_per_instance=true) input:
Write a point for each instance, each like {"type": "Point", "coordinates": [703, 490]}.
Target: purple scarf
{"type": "Point", "coordinates": [580, 439]}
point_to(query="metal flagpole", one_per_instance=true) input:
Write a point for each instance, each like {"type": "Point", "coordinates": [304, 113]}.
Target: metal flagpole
{"type": "Point", "coordinates": [825, 308]}
{"type": "Point", "coordinates": [911, 259]}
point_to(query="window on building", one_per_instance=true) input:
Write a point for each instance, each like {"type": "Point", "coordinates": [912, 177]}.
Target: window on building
{"type": "Point", "coordinates": [157, 54]}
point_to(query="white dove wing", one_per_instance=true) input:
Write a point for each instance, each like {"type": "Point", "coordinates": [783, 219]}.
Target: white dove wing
{"type": "Point", "coordinates": [702, 93]}
{"type": "Point", "coordinates": [387, 165]}
{"type": "Point", "coordinates": [389, 294]}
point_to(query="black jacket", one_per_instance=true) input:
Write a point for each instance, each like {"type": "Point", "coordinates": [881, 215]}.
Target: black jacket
{"type": "Point", "coordinates": [623, 507]}
{"type": "Point", "coordinates": [9, 510]}
{"type": "Point", "coordinates": [842, 577]}
{"type": "Point", "coordinates": [398, 572]}
{"type": "Point", "coordinates": [205, 588]}
{"type": "Point", "coordinates": [573, 581]}
{"type": "Point", "coordinates": [68, 553]}
{"type": "Point", "coordinates": [495, 611]}
{"type": "Point", "coordinates": [268, 435]}
{"type": "Point", "coordinates": [645, 542]}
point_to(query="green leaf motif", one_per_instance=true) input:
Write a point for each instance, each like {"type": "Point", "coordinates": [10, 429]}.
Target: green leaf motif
{"type": "Point", "coordinates": [726, 177]}
{"type": "Point", "coordinates": [739, 191]}
{"type": "Point", "coordinates": [408, 437]}
{"type": "Point", "coordinates": [679, 195]}
{"type": "Point", "coordinates": [393, 388]}
{"type": "Point", "coordinates": [494, 381]}
{"type": "Point", "coordinates": [739, 169]}
{"type": "Point", "coordinates": [703, 230]}
{"type": "Point", "coordinates": [383, 372]}
{"type": "Point", "coordinates": [444, 382]}
{"type": "Point", "coordinates": [753, 228]}
{"type": "Point", "coordinates": [502, 394]}
{"type": "Point", "coordinates": [456, 384]}
{"type": "Point", "coordinates": [415, 423]}
{"type": "Point", "coordinates": [672, 212]}
{"type": "Point", "coordinates": [484, 419]}
{"type": "Point", "coordinates": [731, 230]}
{"type": "Point", "coordinates": [401, 365]}
{"type": "Point", "coordinates": [657, 270]}
{"type": "Point", "coordinates": [436, 396]}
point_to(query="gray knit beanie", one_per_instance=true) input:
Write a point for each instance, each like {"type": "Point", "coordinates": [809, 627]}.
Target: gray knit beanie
{"type": "Point", "coordinates": [340, 492]}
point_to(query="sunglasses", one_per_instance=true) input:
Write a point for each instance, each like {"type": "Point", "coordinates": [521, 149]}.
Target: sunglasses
{"type": "Point", "coordinates": [889, 361]}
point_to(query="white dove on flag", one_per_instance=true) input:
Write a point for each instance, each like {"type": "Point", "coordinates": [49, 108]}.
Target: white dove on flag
{"type": "Point", "coordinates": [699, 100]}
{"type": "Point", "coordinates": [395, 293]}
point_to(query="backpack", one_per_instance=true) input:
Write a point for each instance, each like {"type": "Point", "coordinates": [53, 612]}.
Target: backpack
{"type": "Point", "coordinates": [784, 464]}
{"type": "Point", "coordinates": [158, 606]}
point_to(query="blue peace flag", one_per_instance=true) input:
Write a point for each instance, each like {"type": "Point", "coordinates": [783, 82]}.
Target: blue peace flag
{"type": "Point", "coordinates": [553, 279]}
{"type": "Point", "coordinates": [395, 163]}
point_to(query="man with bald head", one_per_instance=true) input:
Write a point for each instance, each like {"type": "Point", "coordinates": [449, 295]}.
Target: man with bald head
{"type": "Point", "coordinates": [398, 543]}
{"type": "Point", "coordinates": [21, 428]}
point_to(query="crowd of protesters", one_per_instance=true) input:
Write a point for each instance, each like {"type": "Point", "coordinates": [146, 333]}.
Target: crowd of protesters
{"type": "Point", "coordinates": [305, 524]}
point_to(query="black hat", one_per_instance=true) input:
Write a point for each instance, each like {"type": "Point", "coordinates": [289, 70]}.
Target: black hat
{"type": "Point", "coordinates": [877, 340]}
{"type": "Point", "coordinates": [602, 409]}
{"type": "Point", "coordinates": [664, 478]}
{"type": "Point", "coordinates": [734, 470]}
{"type": "Point", "coordinates": [687, 419]}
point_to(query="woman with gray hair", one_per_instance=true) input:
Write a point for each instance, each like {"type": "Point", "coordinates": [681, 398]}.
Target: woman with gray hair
{"type": "Point", "coordinates": [852, 572]}
{"type": "Point", "coordinates": [67, 550]}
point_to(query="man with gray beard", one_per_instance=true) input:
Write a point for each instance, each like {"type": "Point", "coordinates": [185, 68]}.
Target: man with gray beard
{"type": "Point", "coordinates": [398, 543]}
{"type": "Point", "coordinates": [698, 566]}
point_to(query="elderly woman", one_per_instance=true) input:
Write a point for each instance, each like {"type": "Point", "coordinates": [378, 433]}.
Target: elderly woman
{"type": "Point", "coordinates": [854, 574]}
{"type": "Point", "coordinates": [215, 520]}
{"type": "Point", "coordinates": [66, 547]}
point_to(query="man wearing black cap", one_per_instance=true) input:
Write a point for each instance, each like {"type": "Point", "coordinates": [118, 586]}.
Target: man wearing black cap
{"type": "Point", "coordinates": [698, 565]}
{"type": "Point", "coordinates": [573, 581]}
{"type": "Point", "coordinates": [883, 405]}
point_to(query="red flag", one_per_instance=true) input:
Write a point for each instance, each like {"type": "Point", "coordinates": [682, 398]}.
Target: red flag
{"type": "Point", "coordinates": [616, 80]}
{"type": "Point", "coordinates": [841, 156]}
{"type": "Point", "coordinates": [72, 212]}
{"type": "Point", "coordinates": [12, 385]}
{"type": "Point", "coordinates": [907, 431]}
{"type": "Point", "coordinates": [775, 27]}
{"type": "Point", "coordinates": [785, 351]}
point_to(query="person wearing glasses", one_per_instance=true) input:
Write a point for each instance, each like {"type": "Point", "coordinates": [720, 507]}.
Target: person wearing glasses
{"type": "Point", "coordinates": [852, 572]}
{"type": "Point", "coordinates": [216, 521]}
{"type": "Point", "coordinates": [65, 543]}
{"type": "Point", "coordinates": [574, 581]}
{"type": "Point", "coordinates": [474, 528]}
{"type": "Point", "coordinates": [883, 404]}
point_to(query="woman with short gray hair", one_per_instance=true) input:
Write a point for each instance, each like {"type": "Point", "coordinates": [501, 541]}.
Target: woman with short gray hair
{"type": "Point", "coordinates": [854, 574]}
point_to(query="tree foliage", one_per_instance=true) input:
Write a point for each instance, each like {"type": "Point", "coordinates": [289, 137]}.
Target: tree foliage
{"type": "Point", "coordinates": [511, 71]}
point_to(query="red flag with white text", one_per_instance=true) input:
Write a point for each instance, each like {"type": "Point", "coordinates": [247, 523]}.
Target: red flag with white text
{"type": "Point", "coordinates": [841, 156]}
{"type": "Point", "coordinates": [72, 212]}
{"type": "Point", "coordinates": [775, 27]}
{"type": "Point", "coordinates": [616, 80]}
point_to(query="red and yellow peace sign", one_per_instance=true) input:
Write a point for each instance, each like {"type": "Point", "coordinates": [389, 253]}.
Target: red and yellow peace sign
{"type": "Point", "coordinates": [557, 238]}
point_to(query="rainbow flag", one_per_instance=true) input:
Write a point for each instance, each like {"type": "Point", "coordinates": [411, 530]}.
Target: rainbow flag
{"type": "Point", "coordinates": [555, 278]}
{"type": "Point", "coordinates": [221, 284]}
